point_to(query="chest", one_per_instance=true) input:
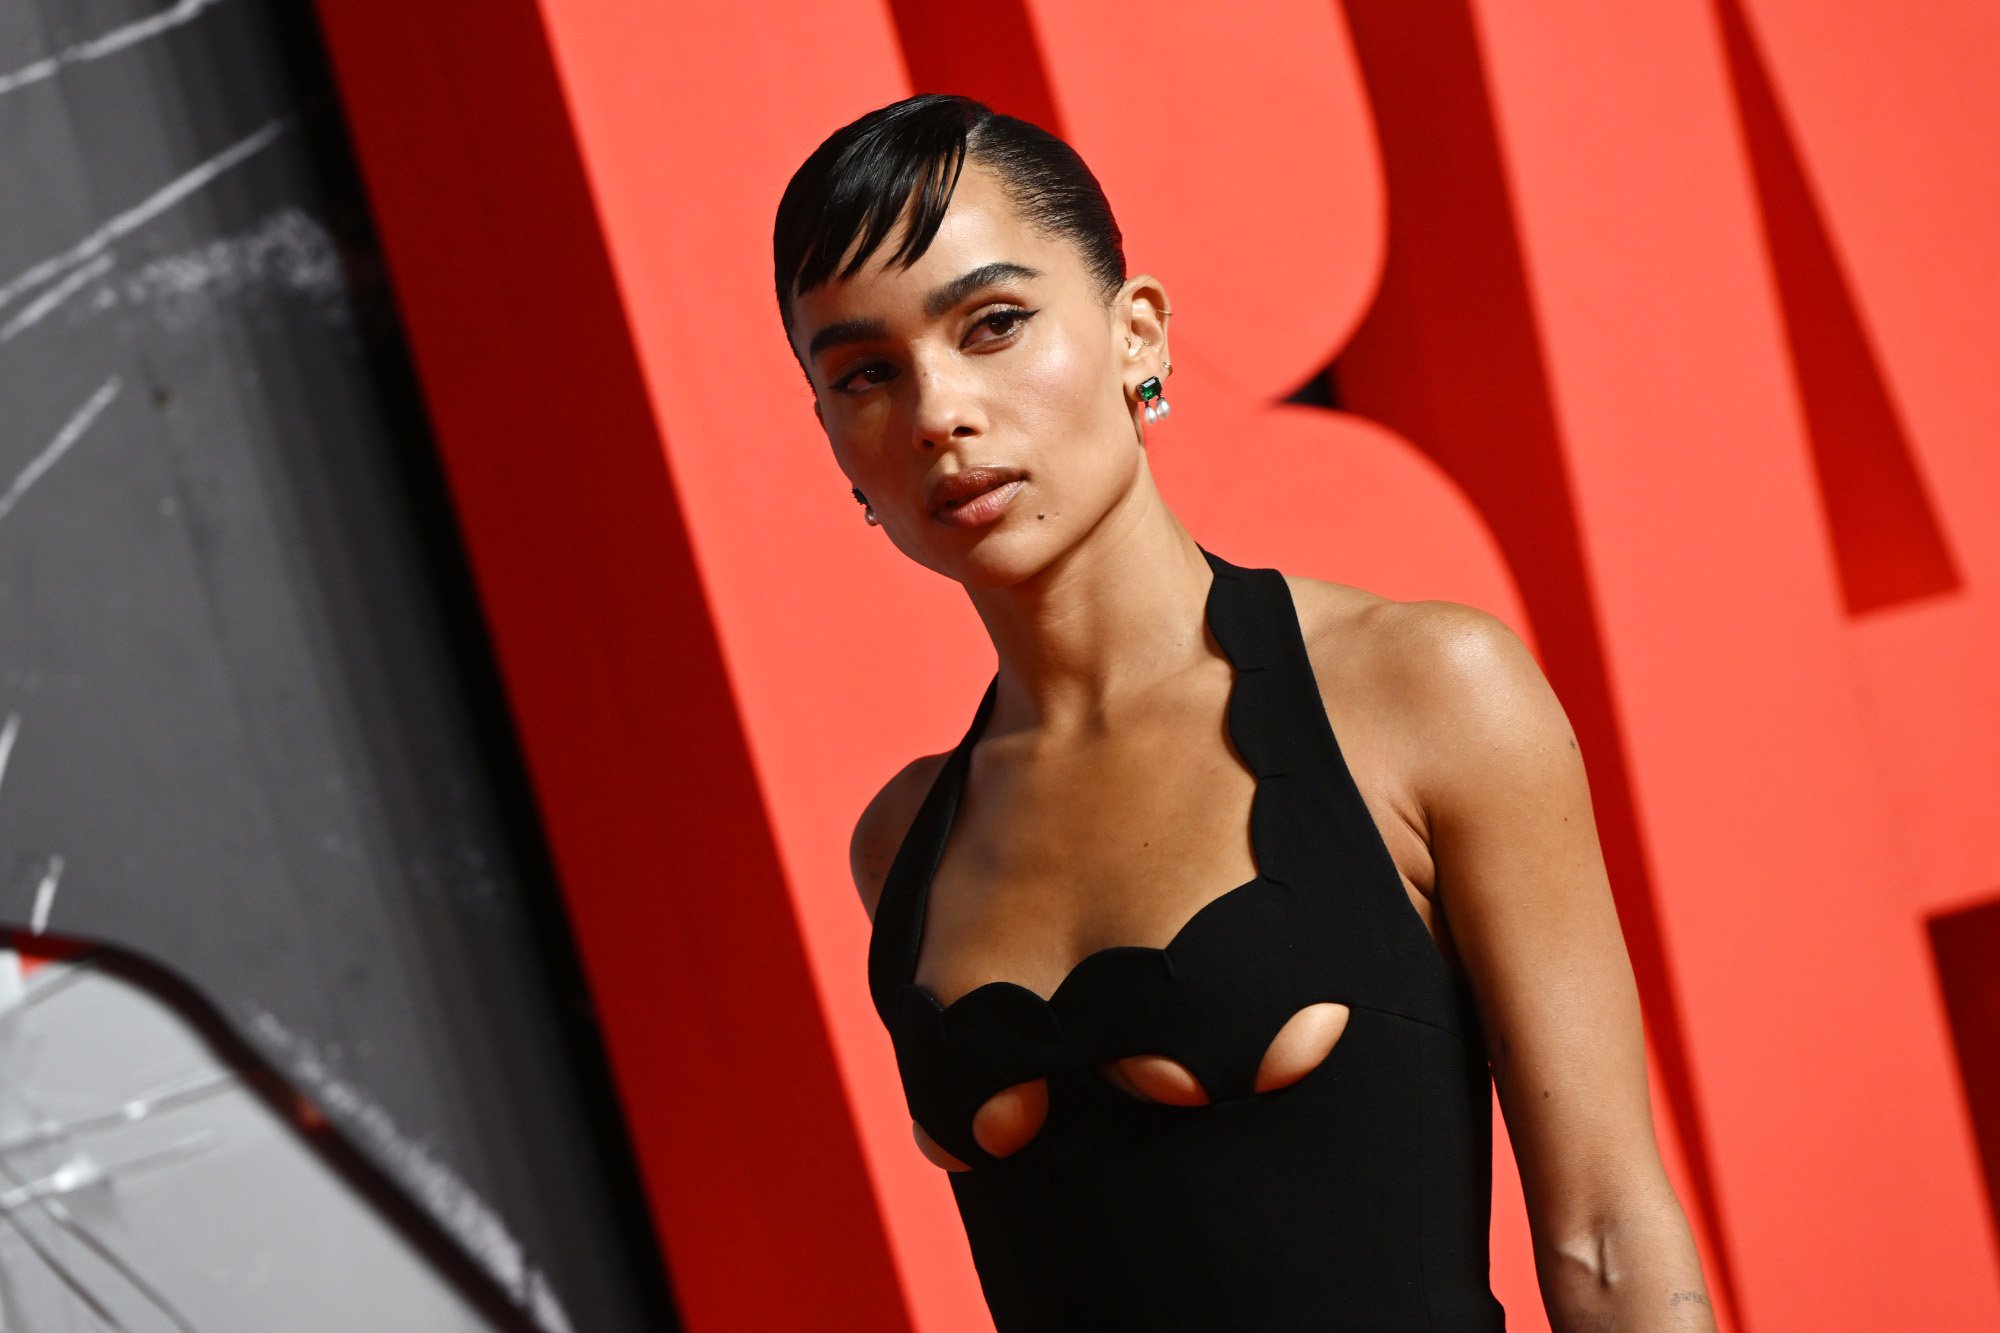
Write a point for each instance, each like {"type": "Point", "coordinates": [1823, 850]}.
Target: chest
{"type": "Point", "coordinates": [1063, 853]}
{"type": "Point", "coordinates": [1202, 884]}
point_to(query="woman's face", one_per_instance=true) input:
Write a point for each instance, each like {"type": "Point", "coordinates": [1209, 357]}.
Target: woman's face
{"type": "Point", "coordinates": [994, 350]}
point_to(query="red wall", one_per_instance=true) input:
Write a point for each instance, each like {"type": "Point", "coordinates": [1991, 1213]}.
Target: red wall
{"type": "Point", "coordinates": [1663, 331]}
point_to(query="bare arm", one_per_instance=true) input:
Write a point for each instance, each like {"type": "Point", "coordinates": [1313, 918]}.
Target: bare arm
{"type": "Point", "coordinates": [883, 824]}
{"type": "Point", "coordinates": [1522, 884]}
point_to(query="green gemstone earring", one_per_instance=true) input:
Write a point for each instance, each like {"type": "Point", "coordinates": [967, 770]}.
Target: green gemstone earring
{"type": "Point", "coordinates": [1149, 394]}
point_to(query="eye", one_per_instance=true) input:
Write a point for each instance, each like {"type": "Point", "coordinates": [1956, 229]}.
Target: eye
{"type": "Point", "coordinates": [1003, 323]}
{"type": "Point", "coordinates": [874, 372]}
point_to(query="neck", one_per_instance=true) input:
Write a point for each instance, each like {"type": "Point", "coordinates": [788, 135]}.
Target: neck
{"type": "Point", "coordinates": [1107, 621]}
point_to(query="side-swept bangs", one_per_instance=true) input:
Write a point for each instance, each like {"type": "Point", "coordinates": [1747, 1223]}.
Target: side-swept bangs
{"type": "Point", "coordinates": [905, 159]}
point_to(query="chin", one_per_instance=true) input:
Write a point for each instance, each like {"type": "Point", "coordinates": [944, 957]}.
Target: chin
{"type": "Point", "coordinates": [998, 557]}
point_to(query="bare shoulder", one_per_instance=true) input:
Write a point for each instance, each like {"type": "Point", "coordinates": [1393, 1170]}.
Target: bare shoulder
{"type": "Point", "coordinates": [1454, 679]}
{"type": "Point", "coordinates": [885, 821]}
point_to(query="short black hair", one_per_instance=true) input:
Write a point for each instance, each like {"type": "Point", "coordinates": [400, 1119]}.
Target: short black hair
{"type": "Point", "coordinates": [858, 182]}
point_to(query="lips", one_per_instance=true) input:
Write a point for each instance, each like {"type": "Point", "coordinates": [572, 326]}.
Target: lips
{"type": "Point", "coordinates": [945, 492]}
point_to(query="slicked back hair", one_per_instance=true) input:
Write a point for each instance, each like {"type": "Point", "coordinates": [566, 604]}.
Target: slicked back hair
{"type": "Point", "coordinates": [856, 185]}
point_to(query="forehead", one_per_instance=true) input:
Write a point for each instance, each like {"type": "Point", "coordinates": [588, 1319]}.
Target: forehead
{"type": "Point", "coordinates": [981, 225]}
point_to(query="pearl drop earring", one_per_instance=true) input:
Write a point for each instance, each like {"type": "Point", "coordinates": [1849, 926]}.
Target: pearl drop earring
{"type": "Point", "coordinates": [862, 500]}
{"type": "Point", "coordinates": [1157, 408]}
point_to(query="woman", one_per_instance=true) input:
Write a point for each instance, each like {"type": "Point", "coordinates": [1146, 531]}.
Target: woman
{"type": "Point", "coordinates": [1164, 1105]}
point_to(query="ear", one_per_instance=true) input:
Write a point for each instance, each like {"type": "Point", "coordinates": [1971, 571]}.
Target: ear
{"type": "Point", "coordinates": [1139, 322]}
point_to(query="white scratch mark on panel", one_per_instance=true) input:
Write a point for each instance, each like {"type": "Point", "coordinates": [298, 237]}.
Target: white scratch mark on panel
{"type": "Point", "coordinates": [45, 896]}
{"type": "Point", "coordinates": [116, 40]}
{"type": "Point", "coordinates": [77, 1286]}
{"type": "Point", "coordinates": [71, 432]}
{"type": "Point", "coordinates": [80, 1171]}
{"type": "Point", "coordinates": [143, 212]}
{"type": "Point", "coordinates": [171, 1095]}
{"type": "Point", "coordinates": [83, 1172]}
{"type": "Point", "coordinates": [436, 1186]}
{"type": "Point", "coordinates": [8, 731]}
{"type": "Point", "coordinates": [35, 310]}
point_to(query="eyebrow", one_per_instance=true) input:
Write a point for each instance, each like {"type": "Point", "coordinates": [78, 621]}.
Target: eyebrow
{"type": "Point", "coordinates": [954, 292]}
{"type": "Point", "coordinates": [847, 331]}
{"type": "Point", "coordinates": [937, 302]}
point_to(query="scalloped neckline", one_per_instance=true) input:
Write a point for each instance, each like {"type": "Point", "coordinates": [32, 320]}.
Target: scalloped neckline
{"type": "Point", "coordinates": [1053, 998]}
{"type": "Point", "coordinates": [1233, 724]}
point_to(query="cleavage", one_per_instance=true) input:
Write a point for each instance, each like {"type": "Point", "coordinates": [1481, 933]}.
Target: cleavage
{"type": "Point", "coordinates": [1120, 841]}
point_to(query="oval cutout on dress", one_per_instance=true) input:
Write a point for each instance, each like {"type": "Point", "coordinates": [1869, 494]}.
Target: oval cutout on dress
{"type": "Point", "coordinates": [1010, 1117]}
{"type": "Point", "coordinates": [1155, 1078]}
{"type": "Point", "coordinates": [1300, 1047]}
{"type": "Point", "coordinates": [934, 1150]}
{"type": "Point", "coordinates": [1003, 1125]}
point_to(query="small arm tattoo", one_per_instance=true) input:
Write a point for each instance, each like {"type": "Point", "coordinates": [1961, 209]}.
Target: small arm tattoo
{"type": "Point", "coordinates": [1607, 1321]}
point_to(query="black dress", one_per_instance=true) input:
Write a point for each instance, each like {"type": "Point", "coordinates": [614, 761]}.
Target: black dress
{"type": "Point", "coordinates": [1357, 1197]}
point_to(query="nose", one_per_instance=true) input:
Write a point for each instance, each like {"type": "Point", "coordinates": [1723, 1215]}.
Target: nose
{"type": "Point", "coordinates": [947, 406]}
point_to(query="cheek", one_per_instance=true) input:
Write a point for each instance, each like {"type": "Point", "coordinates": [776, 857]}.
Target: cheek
{"type": "Point", "coordinates": [1060, 391]}
{"type": "Point", "coordinates": [1064, 403]}
{"type": "Point", "coordinates": [860, 445]}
